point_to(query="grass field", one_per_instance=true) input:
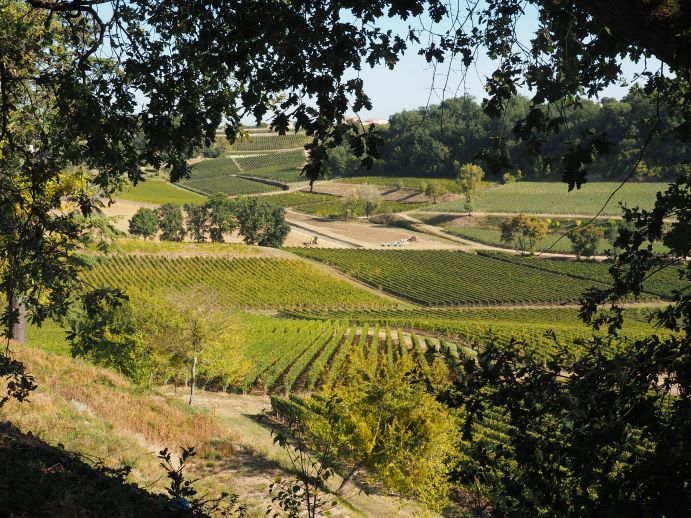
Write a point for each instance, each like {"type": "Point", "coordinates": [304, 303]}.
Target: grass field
{"type": "Point", "coordinates": [258, 283]}
{"type": "Point", "coordinates": [553, 198]}
{"type": "Point", "coordinates": [327, 205]}
{"type": "Point", "coordinates": [262, 141]}
{"type": "Point", "coordinates": [160, 191]}
{"type": "Point", "coordinates": [410, 182]}
{"type": "Point", "coordinates": [453, 278]}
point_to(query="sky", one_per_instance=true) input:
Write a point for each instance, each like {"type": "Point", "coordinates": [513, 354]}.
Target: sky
{"type": "Point", "coordinates": [414, 83]}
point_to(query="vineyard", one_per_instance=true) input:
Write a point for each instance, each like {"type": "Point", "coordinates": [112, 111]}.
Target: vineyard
{"type": "Point", "coordinates": [440, 277]}
{"type": "Point", "coordinates": [283, 159]}
{"type": "Point", "coordinates": [261, 141]}
{"type": "Point", "coordinates": [213, 168]}
{"type": "Point", "coordinates": [661, 283]}
{"type": "Point", "coordinates": [157, 190]}
{"type": "Point", "coordinates": [554, 198]}
{"type": "Point", "coordinates": [409, 182]}
{"type": "Point", "coordinates": [257, 283]}
{"type": "Point", "coordinates": [288, 355]}
{"type": "Point", "coordinates": [231, 185]}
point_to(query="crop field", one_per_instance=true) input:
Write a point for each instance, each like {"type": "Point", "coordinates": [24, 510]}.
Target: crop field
{"type": "Point", "coordinates": [257, 283]}
{"type": "Point", "coordinates": [441, 278]}
{"type": "Point", "coordinates": [554, 198]}
{"type": "Point", "coordinates": [213, 168]}
{"type": "Point", "coordinates": [278, 174]}
{"type": "Point", "coordinates": [231, 185]}
{"type": "Point", "coordinates": [157, 190]}
{"type": "Point", "coordinates": [326, 205]}
{"type": "Point", "coordinates": [283, 159]}
{"type": "Point", "coordinates": [261, 141]}
{"type": "Point", "coordinates": [661, 283]}
{"type": "Point", "coordinates": [471, 327]}
{"type": "Point", "coordinates": [409, 182]}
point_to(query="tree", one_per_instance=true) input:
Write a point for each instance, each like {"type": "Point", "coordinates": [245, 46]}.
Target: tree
{"type": "Point", "coordinates": [351, 205]}
{"type": "Point", "coordinates": [604, 429]}
{"type": "Point", "coordinates": [221, 214]}
{"type": "Point", "coordinates": [106, 333]}
{"type": "Point", "coordinates": [388, 428]}
{"type": "Point", "coordinates": [469, 179]}
{"type": "Point", "coordinates": [144, 223]}
{"type": "Point", "coordinates": [523, 232]}
{"type": "Point", "coordinates": [197, 221]}
{"type": "Point", "coordinates": [434, 189]}
{"type": "Point", "coordinates": [261, 223]}
{"type": "Point", "coordinates": [585, 240]}
{"type": "Point", "coordinates": [170, 222]}
{"type": "Point", "coordinates": [370, 198]}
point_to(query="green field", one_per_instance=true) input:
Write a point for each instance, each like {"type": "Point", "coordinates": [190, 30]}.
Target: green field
{"type": "Point", "coordinates": [263, 141]}
{"type": "Point", "coordinates": [440, 277]}
{"type": "Point", "coordinates": [160, 191]}
{"type": "Point", "coordinates": [282, 159]}
{"type": "Point", "coordinates": [213, 168]}
{"type": "Point", "coordinates": [409, 182]}
{"type": "Point", "coordinates": [257, 283]}
{"type": "Point", "coordinates": [327, 205]}
{"type": "Point", "coordinates": [554, 198]}
{"type": "Point", "coordinates": [661, 283]}
{"type": "Point", "coordinates": [231, 185]}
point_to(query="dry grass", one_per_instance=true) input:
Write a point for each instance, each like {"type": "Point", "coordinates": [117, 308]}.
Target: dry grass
{"type": "Point", "coordinates": [99, 414]}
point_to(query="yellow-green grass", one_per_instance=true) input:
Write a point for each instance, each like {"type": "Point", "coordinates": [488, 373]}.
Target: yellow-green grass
{"type": "Point", "coordinates": [97, 413]}
{"type": "Point", "coordinates": [258, 283]}
{"type": "Point", "coordinates": [159, 191]}
{"type": "Point", "coordinates": [185, 248]}
{"type": "Point", "coordinates": [554, 198]}
{"type": "Point", "coordinates": [410, 182]}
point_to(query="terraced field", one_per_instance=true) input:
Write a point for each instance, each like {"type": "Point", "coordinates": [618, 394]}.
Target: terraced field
{"type": "Point", "coordinates": [440, 277]}
{"type": "Point", "coordinates": [553, 198]}
{"type": "Point", "coordinates": [256, 283]}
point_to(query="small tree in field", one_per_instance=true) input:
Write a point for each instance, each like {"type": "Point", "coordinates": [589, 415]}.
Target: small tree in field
{"type": "Point", "coordinates": [144, 223]}
{"type": "Point", "coordinates": [351, 205]}
{"type": "Point", "coordinates": [523, 232]}
{"type": "Point", "coordinates": [585, 240]}
{"type": "Point", "coordinates": [369, 197]}
{"type": "Point", "coordinates": [221, 214]}
{"type": "Point", "coordinates": [469, 177]}
{"type": "Point", "coordinates": [197, 221]}
{"type": "Point", "coordinates": [434, 189]}
{"type": "Point", "coordinates": [171, 223]}
{"type": "Point", "coordinates": [261, 223]}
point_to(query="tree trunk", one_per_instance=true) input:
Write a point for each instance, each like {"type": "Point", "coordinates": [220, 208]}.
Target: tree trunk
{"type": "Point", "coordinates": [193, 372]}
{"type": "Point", "coordinates": [18, 332]}
{"type": "Point", "coordinates": [347, 478]}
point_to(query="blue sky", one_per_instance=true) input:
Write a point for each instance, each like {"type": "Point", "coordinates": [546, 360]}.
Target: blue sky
{"type": "Point", "coordinates": [409, 85]}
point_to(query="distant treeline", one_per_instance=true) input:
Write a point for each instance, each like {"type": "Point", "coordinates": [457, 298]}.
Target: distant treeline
{"type": "Point", "coordinates": [427, 141]}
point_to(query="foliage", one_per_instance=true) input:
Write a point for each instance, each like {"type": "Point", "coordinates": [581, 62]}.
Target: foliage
{"type": "Point", "coordinates": [524, 232]}
{"type": "Point", "coordinates": [585, 240]}
{"type": "Point", "coordinates": [470, 183]}
{"type": "Point", "coordinates": [369, 197]}
{"type": "Point", "coordinates": [171, 223]}
{"type": "Point", "coordinates": [106, 333]}
{"type": "Point", "coordinates": [221, 216]}
{"type": "Point", "coordinates": [262, 223]}
{"type": "Point", "coordinates": [144, 223]}
{"type": "Point", "coordinates": [434, 189]}
{"type": "Point", "coordinates": [197, 221]}
{"type": "Point", "coordinates": [596, 433]}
